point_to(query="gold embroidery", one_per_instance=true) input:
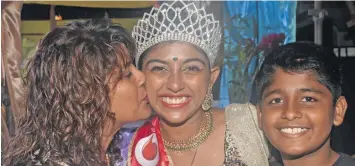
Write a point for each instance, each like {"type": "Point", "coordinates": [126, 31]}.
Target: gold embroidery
{"type": "Point", "coordinates": [244, 142]}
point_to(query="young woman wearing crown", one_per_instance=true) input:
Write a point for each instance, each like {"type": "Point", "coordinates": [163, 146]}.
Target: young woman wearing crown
{"type": "Point", "coordinates": [177, 44]}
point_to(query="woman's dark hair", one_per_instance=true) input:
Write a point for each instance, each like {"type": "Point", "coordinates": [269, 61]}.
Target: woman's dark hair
{"type": "Point", "coordinates": [68, 94]}
{"type": "Point", "coordinates": [302, 57]}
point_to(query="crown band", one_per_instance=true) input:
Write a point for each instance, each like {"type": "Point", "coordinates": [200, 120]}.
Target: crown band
{"type": "Point", "coordinates": [172, 37]}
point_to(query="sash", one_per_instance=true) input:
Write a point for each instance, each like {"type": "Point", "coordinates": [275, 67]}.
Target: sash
{"type": "Point", "coordinates": [147, 148]}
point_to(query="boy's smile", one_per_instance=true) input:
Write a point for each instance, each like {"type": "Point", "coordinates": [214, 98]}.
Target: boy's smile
{"type": "Point", "coordinates": [296, 113]}
{"type": "Point", "coordinates": [293, 131]}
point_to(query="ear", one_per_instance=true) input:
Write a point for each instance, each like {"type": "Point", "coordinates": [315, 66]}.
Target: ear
{"type": "Point", "coordinates": [258, 108]}
{"type": "Point", "coordinates": [340, 110]}
{"type": "Point", "coordinates": [214, 74]}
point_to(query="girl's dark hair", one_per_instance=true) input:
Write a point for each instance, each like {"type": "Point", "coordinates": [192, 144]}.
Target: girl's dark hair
{"type": "Point", "coordinates": [68, 94]}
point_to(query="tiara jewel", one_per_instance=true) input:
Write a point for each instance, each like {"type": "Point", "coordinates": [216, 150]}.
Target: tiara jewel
{"type": "Point", "coordinates": [178, 21]}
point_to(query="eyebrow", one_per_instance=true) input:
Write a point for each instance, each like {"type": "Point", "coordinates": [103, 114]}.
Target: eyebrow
{"type": "Point", "coordinates": [310, 90]}
{"type": "Point", "coordinates": [157, 61]}
{"type": "Point", "coordinates": [277, 91]}
{"type": "Point", "coordinates": [194, 60]}
{"type": "Point", "coordinates": [185, 61]}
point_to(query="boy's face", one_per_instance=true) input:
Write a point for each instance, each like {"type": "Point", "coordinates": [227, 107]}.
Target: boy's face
{"type": "Point", "coordinates": [296, 112]}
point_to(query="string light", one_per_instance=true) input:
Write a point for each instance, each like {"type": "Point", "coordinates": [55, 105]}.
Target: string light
{"type": "Point", "coordinates": [58, 18]}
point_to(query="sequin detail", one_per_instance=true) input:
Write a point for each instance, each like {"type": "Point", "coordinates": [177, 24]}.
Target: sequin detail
{"type": "Point", "coordinates": [245, 143]}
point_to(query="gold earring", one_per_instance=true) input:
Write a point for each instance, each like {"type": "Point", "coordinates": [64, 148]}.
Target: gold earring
{"type": "Point", "coordinates": [207, 103]}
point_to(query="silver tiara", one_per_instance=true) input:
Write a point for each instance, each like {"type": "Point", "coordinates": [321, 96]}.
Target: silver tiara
{"type": "Point", "coordinates": [178, 21]}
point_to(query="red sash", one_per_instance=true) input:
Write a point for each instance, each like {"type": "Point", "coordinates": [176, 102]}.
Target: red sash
{"type": "Point", "coordinates": [148, 148]}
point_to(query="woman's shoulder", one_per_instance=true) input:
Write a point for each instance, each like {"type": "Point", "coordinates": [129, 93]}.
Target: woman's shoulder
{"type": "Point", "coordinates": [243, 137]}
{"type": "Point", "coordinates": [239, 107]}
{"type": "Point", "coordinates": [240, 118]}
{"type": "Point", "coordinates": [234, 106]}
{"type": "Point", "coordinates": [240, 111]}
{"type": "Point", "coordinates": [120, 144]}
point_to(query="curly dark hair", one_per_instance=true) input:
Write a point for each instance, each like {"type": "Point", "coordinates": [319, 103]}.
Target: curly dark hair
{"type": "Point", "coordinates": [68, 94]}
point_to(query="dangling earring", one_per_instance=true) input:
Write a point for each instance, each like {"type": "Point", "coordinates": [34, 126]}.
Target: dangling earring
{"type": "Point", "coordinates": [207, 103]}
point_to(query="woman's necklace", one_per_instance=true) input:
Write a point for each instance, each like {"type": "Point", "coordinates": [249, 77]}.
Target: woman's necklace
{"type": "Point", "coordinates": [194, 141]}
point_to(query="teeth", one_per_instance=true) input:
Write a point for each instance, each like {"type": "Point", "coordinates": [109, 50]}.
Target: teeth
{"type": "Point", "coordinates": [174, 100]}
{"type": "Point", "coordinates": [293, 130]}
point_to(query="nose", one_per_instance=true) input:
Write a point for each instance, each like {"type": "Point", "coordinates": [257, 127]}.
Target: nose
{"type": "Point", "coordinates": [175, 82]}
{"type": "Point", "coordinates": [291, 111]}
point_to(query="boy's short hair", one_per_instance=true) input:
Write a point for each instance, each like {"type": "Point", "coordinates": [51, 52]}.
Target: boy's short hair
{"type": "Point", "coordinates": [302, 57]}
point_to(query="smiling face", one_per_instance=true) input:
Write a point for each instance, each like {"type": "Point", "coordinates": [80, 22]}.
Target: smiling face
{"type": "Point", "coordinates": [178, 76]}
{"type": "Point", "coordinates": [129, 98]}
{"type": "Point", "coordinates": [297, 113]}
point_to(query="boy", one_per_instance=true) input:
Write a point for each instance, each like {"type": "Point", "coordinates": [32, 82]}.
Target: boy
{"type": "Point", "coordinates": [299, 89]}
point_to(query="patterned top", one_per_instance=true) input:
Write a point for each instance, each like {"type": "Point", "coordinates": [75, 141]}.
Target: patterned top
{"type": "Point", "coordinates": [245, 143]}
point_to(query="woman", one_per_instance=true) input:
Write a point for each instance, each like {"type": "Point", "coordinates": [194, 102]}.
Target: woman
{"type": "Point", "coordinates": [82, 87]}
{"type": "Point", "coordinates": [177, 45]}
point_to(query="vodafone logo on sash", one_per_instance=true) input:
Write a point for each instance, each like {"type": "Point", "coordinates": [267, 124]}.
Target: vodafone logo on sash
{"type": "Point", "coordinates": [146, 151]}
